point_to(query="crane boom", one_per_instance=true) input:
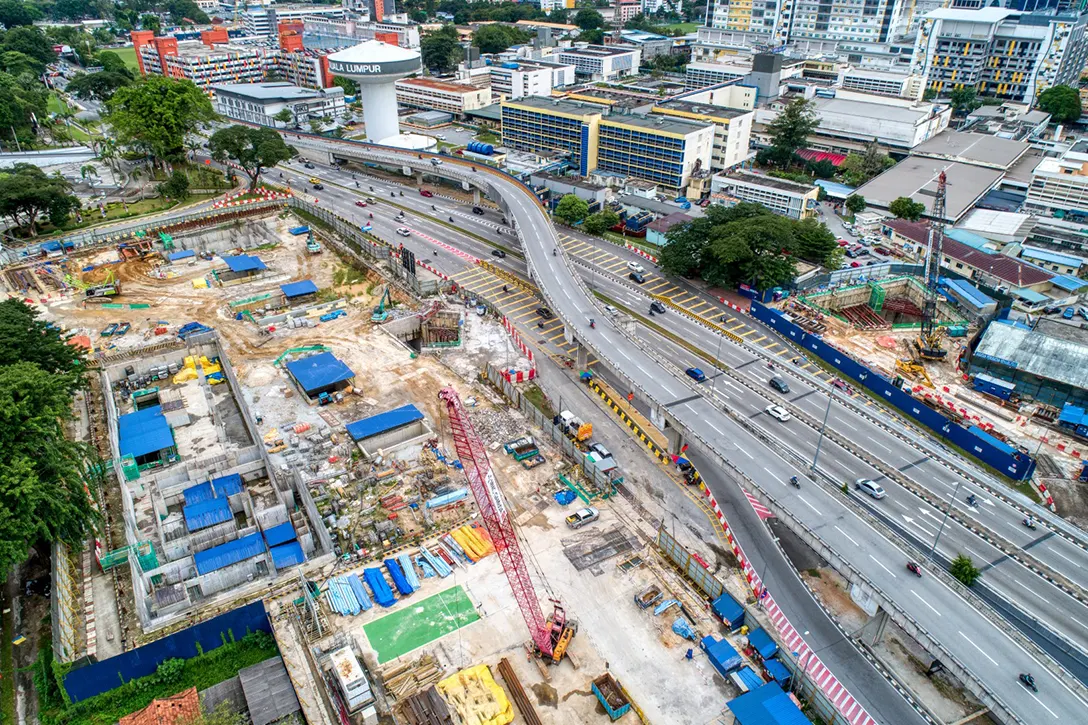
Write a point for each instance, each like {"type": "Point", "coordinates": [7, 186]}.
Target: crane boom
{"type": "Point", "coordinates": [929, 342]}
{"type": "Point", "coordinates": [485, 488]}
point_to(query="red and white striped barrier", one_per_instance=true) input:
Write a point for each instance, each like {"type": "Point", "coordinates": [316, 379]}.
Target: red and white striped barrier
{"type": "Point", "coordinates": [730, 305]}
{"type": "Point", "coordinates": [640, 253]}
{"type": "Point", "coordinates": [232, 200]}
{"type": "Point", "coordinates": [518, 376]}
{"type": "Point", "coordinates": [817, 672]}
{"type": "Point", "coordinates": [447, 247]}
{"type": "Point", "coordinates": [432, 270]}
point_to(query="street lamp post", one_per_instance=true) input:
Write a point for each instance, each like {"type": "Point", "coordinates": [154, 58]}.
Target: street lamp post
{"type": "Point", "coordinates": [823, 427]}
{"type": "Point", "coordinates": [717, 364]}
{"type": "Point", "coordinates": [947, 513]}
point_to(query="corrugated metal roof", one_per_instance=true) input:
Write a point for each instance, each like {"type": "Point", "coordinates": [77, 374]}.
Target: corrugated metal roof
{"type": "Point", "coordinates": [289, 554]}
{"type": "Point", "coordinates": [244, 263]}
{"type": "Point", "coordinates": [143, 432]}
{"type": "Point", "coordinates": [776, 669]}
{"type": "Point", "coordinates": [767, 705]}
{"type": "Point", "coordinates": [1069, 284]}
{"type": "Point", "coordinates": [183, 254]}
{"type": "Point", "coordinates": [270, 696]}
{"type": "Point", "coordinates": [298, 289]}
{"type": "Point", "coordinates": [383, 422]}
{"type": "Point", "coordinates": [232, 552]}
{"type": "Point", "coordinates": [198, 493]}
{"type": "Point", "coordinates": [280, 534]}
{"type": "Point", "coordinates": [227, 485]}
{"type": "Point", "coordinates": [972, 293]}
{"type": "Point", "coordinates": [1037, 353]}
{"type": "Point", "coordinates": [749, 677]}
{"type": "Point", "coordinates": [319, 371]}
{"type": "Point", "coordinates": [763, 643]}
{"type": "Point", "coordinates": [1045, 255]}
{"type": "Point", "coordinates": [203, 514]}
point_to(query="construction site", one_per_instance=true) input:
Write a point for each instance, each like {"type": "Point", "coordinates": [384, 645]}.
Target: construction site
{"type": "Point", "coordinates": [289, 419]}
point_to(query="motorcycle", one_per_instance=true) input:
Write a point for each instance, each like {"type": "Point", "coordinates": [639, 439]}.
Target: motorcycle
{"type": "Point", "coordinates": [402, 193]}
{"type": "Point", "coordinates": [554, 253]}
{"type": "Point", "coordinates": [1028, 681]}
{"type": "Point", "coordinates": [914, 568]}
{"type": "Point", "coordinates": [433, 208]}
{"type": "Point", "coordinates": [1030, 523]}
{"type": "Point", "coordinates": [592, 324]}
{"type": "Point", "coordinates": [356, 184]}
{"type": "Point", "coordinates": [451, 219]}
{"type": "Point", "coordinates": [371, 215]}
{"type": "Point", "coordinates": [770, 365]}
{"type": "Point", "coordinates": [794, 482]}
{"type": "Point", "coordinates": [972, 501]}
{"type": "Point", "coordinates": [372, 188]}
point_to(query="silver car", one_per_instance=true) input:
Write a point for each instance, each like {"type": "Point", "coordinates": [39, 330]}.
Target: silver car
{"type": "Point", "coordinates": [872, 488]}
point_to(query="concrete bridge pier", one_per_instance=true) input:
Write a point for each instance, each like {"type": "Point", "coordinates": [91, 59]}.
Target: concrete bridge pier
{"type": "Point", "coordinates": [475, 196]}
{"type": "Point", "coordinates": [582, 359]}
{"type": "Point", "coordinates": [676, 440]}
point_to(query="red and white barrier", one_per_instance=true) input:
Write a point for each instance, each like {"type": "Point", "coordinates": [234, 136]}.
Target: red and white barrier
{"type": "Point", "coordinates": [432, 270]}
{"type": "Point", "coordinates": [730, 305]}
{"type": "Point", "coordinates": [640, 253]}
{"type": "Point", "coordinates": [447, 247]}
{"type": "Point", "coordinates": [816, 671]}
{"type": "Point", "coordinates": [232, 200]}
{"type": "Point", "coordinates": [517, 376]}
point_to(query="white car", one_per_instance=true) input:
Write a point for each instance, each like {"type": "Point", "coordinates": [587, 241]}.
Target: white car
{"type": "Point", "coordinates": [872, 488]}
{"type": "Point", "coordinates": [636, 267]}
{"type": "Point", "coordinates": [404, 232]}
{"type": "Point", "coordinates": [610, 309]}
{"type": "Point", "coordinates": [778, 412]}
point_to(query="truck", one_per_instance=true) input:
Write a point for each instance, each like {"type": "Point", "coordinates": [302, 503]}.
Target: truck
{"type": "Point", "coordinates": [581, 517]}
{"type": "Point", "coordinates": [575, 427]}
{"type": "Point", "coordinates": [350, 679]}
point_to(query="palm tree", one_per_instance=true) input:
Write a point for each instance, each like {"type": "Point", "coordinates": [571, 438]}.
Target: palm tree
{"type": "Point", "coordinates": [88, 170]}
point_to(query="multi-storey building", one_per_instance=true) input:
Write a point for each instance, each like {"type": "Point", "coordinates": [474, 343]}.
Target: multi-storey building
{"type": "Point", "coordinates": [260, 102]}
{"type": "Point", "coordinates": [663, 150]}
{"type": "Point", "coordinates": [732, 129]}
{"type": "Point", "coordinates": [548, 126]}
{"type": "Point", "coordinates": [883, 83]}
{"type": "Point", "coordinates": [701, 75]}
{"type": "Point", "coordinates": [432, 95]}
{"type": "Point", "coordinates": [265, 20]}
{"type": "Point", "coordinates": [783, 21]}
{"type": "Point", "coordinates": [1000, 52]}
{"type": "Point", "coordinates": [788, 198]}
{"type": "Point", "coordinates": [601, 63]}
{"type": "Point", "coordinates": [204, 65]}
{"type": "Point", "coordinates": [1061, 185]}
{"type": "Point", "coordinates": [511, 80]}
{"type": "Point", "coordinates": [327, 32]}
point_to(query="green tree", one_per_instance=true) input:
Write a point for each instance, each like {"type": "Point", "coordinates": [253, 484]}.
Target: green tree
{"type": "Point", "coordinates": [186, 12]}
{"type": "Point", "coordinates": [601, 221]}
{"type": "Point", "coordinates": [284, 116]}
{"type": "Point", "coordinates": [588, 19]}
{"type": "Point", "coordinates": [929, 94]}
{"type": "Point", "coordinates": [17, 63]}
{"type": "Point", "coordinates": [571, 209]}
{"type": "Point", "coordinates": [856, 203]}
{"type": "Point", "coordinates": [593, 37]}
{"type": "Point", "coordinates": [155, 116]}
{"type": "Point", "coordinates": [856, 169]}
{"type": "Point", "coordinates": [254, 149]}
{"type": "Point", "coordinates": [97, 86]}
{"type": "Point", "coordinates": [441, 49]}
{"type": "Point", "coordinates": [31, 41]}
{"type": "Point", "coordinates": [175, 187]}
{"type": "Point", "coordinates": [813, 241]}
{"type": "Point", "coordinates": [1061, 102]}
{"type": "Point", "coordinates": [906, 208]}
{"type": "Point", "coordinates": [14, 14]}
{"type": "Point", "coordinates": [27, 192]}
{"type": "Point", "coordinates": [822, 169]}
{"type": "Point", "coordinates": [351, 88]}
{"type": "Point", "coordinates": [112, 63]}
{"type": "Point", "coordinates": [151, 22]}
{"type": "Point", "coordinates": [756, 251]}
{"type": "Point", "coordinates": [965, 570]}
{"type": "Point", "coordinates": [497, 38]}
{"type": "Point", "coordinates": [964, 100]}
{"type": "Point", "coordinates": [790, 130]}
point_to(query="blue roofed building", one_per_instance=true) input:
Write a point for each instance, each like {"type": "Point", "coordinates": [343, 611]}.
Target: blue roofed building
{"type": "Point", "coordinates": [767, 705]}
{"type": "Point", "coordinates": [1060, 262]}
{"type": "Point", "coordinates": [296, 292]}
{"type": "Point", "coordinates": [240, 268]}
{"type": "Point", "coordinates": [389, 430]}
{"type": "Point", "coordinates": [969, 298]}
{"type": "Point", "coordinates": [320, 375]}
{"type": "Point", "coordinates": [229, 554]}
{"type": "Point", "coordinates": [146, 437]}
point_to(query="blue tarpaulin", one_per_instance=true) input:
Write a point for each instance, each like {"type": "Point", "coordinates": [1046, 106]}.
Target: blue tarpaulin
{"type": "Point", "coordinates": [280, 534]}
{"type": "Point", "coordinates": [298, 289]}
{"type": "Point", "coordinates": [995, 442]}
{"type": "Point", "coordinates": [232, 552]}
{"type": "Point", "coordinates": [374, 578]}
{"type": "Point", "coordinates": [777, 670]}
{"type": "Point", "coordinates": [762, 642]}
{"type": "Point", "coordinates": [721, 654]}
{"type": "Point", "coordinates": [749, 678]}
{"type": "Point", "coordinates": [289, 554]}
{"type": "Point", "coordinates": [727, 609]}
{"type": "Point", "coordinates": [768, 705]}
{"type": "Point", "coordinates": [244, 263]}
{"type": "Point", "coordinates": [398, 577]}
{"type": "Point", "coordinates": [183, 254]}
{"type": "Point", "coordinates": [143, 432]}
{"type": "Point", "coordinates": [319, 371]}
{"type": "Point", "coordinates": [383, 422]}
{"type": "Point", "coordinates": [207, 513]}
{"type": "Point", "coordinates": [227, 485]}
{"type": "Point", "coordinates": [198, 493]}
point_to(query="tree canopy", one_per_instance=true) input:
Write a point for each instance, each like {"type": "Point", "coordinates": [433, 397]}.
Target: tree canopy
{"type": "Point", "coordinates": [27, 192]}
{"type": "Point", "coordinates": [601, 221]}
{"type": "Point", "coordinates": [441, 49]}
{"type": "Point", "coordinates": [350, 87]}
{"type": "Point", "coordinates": [254, 149]}
{"type": "Point", "coordinates": [906, 208]}
{"type": "Point", "coordinates": [856, 169]}
{"type": "Point", "coordinates": [19, 104]}
{"type": "Point", "coordinates": [1061, 102]}
{"type": "Point", "coordinates": [155, 116]}
{"type": "Point", "coordinates": [856, 203]}
{"type": "Point", "coordinates": [588, 19]}
{"type": "Point", "coordinates": [790, 130]}
{"type": "Point", "coordinates": [571, 209]}
{"type": "Point", "coordinates": [14, 13]}
{"type": "Point", "coordinates": [42, 473]}
{"type": "Point", "coordinates": [745, 243]}
{"type": "Point", "coordinates": [97, 86]}
{"type": "Point", "coordinates": [964, 100]}
{"type": "Point", "coordinates": [497, 38]}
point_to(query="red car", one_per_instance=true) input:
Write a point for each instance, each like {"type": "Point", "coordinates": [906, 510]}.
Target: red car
{"type": "Point", "coordinates": [424, 192]}
{"type": "Point", "coordinates": [360, 203]}
{"type": "Point", "coordinates": [855, 264]}
{"type": "Point", "coordinates": [843, 242]}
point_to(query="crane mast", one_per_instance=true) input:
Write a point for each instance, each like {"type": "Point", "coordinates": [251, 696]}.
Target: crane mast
{"type": "Point", "coordinates": [929, 341]}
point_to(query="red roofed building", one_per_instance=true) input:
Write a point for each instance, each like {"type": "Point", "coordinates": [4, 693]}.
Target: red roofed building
{"type": "Point", "coordinates": [183, 707]}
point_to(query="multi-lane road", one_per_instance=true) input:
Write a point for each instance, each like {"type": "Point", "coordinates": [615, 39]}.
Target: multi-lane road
{"type": "Point", "coordinates": [985, 647]}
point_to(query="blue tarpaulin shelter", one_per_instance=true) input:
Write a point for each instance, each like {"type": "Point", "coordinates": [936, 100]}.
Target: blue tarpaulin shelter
{"type": "Point", "coordinates": [383, 422]}
{"type": "Point", "coordinates": [319, 371]}
{"type": "Point", "coordinates": [143, 432]}
{"type": "Point", "coordinates": [777, 670]}
{"type": "Point", "coordinates": [232, 552]}
{"type": "Point", "coordinates": [244, 263]}
{"type": "Point", "coordinates": [207, 513]}
{"type": "Point", "coordinates": [749, 678]}
{"type": "Point", "coordinates": [727, 609]}
{"type": "Point", "coordinates": [398, 576]}
{"type": "Point", "coordinates": [217, 487]}
{"type": "Point", "coordinates": [289, 554]}
{"type": "Point", "coordinates": [183, 254]}
{"type": "Point", "coordinates": [767, 705]}
{"type": "Point", "coordinates": [298, 289]}
{"type": "Point", "coordinates": [762, 643]}
{"type": "Point", "coordinates": [280, 534]}
{"type": "Point", "coordinates": [374, 578]}
{"type": "Point", "coordinates": [721, 654]}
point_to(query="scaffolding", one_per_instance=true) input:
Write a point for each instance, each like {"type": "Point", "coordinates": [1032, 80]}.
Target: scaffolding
{"type": "Point", "coordinates": [876, 297]}
{"type": "Point", "coordinates": [145, 556]}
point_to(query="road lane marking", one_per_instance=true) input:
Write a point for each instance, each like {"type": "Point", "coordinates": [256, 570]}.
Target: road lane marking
{"type": "Point", "coordinates": [975, 645]}
{"type": "Point", "coordinates": [1058, 553]}
{"type": "Point", "coordinates": [715, 428]}
{"type": "Point", "coordinates": [806, 503]}
{"type": "Point", "coordinates": [847, 536]}
{"type": "Point", "coordinates": [889, 450]}
{"type": "Point", "coordinates": [923, 601]}
{"type": "Point", "coordinates": [1041, 703]}
{"type": "Point", "coordinates": [1022, 585]}
{"type": "Point", "coordinates": [882, 566]}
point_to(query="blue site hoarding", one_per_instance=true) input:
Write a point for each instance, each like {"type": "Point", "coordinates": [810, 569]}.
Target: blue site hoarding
{"type": "Point", "coordinates": [94, 679]}
{"type": "Point", "coordinates": [1012, 463]}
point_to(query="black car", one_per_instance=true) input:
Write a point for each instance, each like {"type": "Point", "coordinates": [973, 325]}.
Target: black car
{"type": "Point", "coordinates": [477, 211]}
{"type": "Point", "coordinates": [779, 384]}
{"type": "Point", "coordinates": [308, 165]}
{"type": "Point", "coordinates": [498, 253]}
{"type": "Point", "coordinates": [319, 187]}
{"type": "Point", "coordinates": [658, 307]}
{"type": "Point", "coordinates": [1052, 309]}
{"type": "Point", "coordinates": [636, 277]}
{"type": "Point", "coordinates": [543, 311]}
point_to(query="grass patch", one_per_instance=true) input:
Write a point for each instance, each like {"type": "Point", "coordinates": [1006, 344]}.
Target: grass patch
{"type": "Point", "coordinates": [487, 137]}
{"type": "Point", "coordinates": [346, 275]}
{"type": "Point", "coordinates": [633, 241]}
{"type": "Point", "coordinates": [129, 56]}
{"type": "Point", "coordinates": [172, 677]}
{"type": "Point", "coordinates": [54, 104]}
{"type": "Point", "coordinates": [535, 395]}
{"type": "Point", "coordinates": [683, 27]}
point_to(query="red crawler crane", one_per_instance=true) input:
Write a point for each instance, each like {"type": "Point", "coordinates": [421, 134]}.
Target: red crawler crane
{"type": "Point", "coordinates": [551, 636]}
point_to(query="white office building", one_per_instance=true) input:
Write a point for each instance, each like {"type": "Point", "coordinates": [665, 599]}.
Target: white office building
{"type": "Point", "coordinates": [265, 20]}
{"type": "Point", "coordinates": [788, 198]}
{"type": "Point", "coordinates": [599, 62]}
{"type": "Point", "coordinates": [1061, 185]}
{"type": "Point", "coordinates": [260, 102]}
{"type": "Point", "coordinates": [517, 79]}
{"type": "Point", "coordinates": [432, 95]}
{"type": "Point", "coordinates": [783, 21]}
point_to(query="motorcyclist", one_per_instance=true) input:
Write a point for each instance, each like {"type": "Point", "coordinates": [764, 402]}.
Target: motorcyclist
{"type": "Point", "coordinates": [972, 500]}
{"type": "Point", "coordinates": [371, 215]}
{"type": "Point", "coordinates": [555, 252]}
{"type": "Point", "coordinates": [356, 184]}
{"type": "Point", "coordinates": [1029, 522]}
{"type": "Point", "coordinates": [1028, 679]}
{"type": "Point", "coordinates": [451, 219]}
{"type": "Point", "coordinates": [372, 188]}
{"type": "Point", "coordinates": [592, 324]}
{"type": "Point", "coordinates": [793, 480]}
{"type": "Point", "coordinates": [433, 208]}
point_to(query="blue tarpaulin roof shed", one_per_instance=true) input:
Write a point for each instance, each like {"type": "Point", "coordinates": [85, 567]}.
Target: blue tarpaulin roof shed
{"type": "Point", "coordinates": [728, 610]}
{"type": "Point", "coordinates": [232, 552]}
{"type": "Point", "coordinates": [768, 705]}
{"type": "Point", "coordinates": [244, 263]}
{"type": "Point", "coordinates": [51, 246]}
{"type": "Point", "coordinates": [183, 254]}
{"type": "Point", "coordinates": [198, 493]}
{"type": "Point", "coordinates": [207, 513]}
{"type": "Point", "coordinates": [319, 371]}
{"type": "Point", "coordinates": [280, 534]}
{"type": "Point", "coordinates": [143, 432]}
{"type": "Point", "coordinates": [721, 654]}
{"type": "Point", "coordinates": [222, 486]}
{"type": "Point", "coordinates": [1069, 284]}
{"type": "Point", "coordinates": [777, 670]}
{"type": "Point", "coordinates": [968, 291]}
{"type": "Point", "coordinates": [383, 422]}
{"type": "Point", "coordinates": [749, 677]}
{"type": "Point", "coordinates": [288, 554]}
{"type": "Point", "coordinates": [298, 289]}
{"type": "Point", "coordinates": [762, 642]}
{"type": "Point", "coordinates": [228, 485]}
